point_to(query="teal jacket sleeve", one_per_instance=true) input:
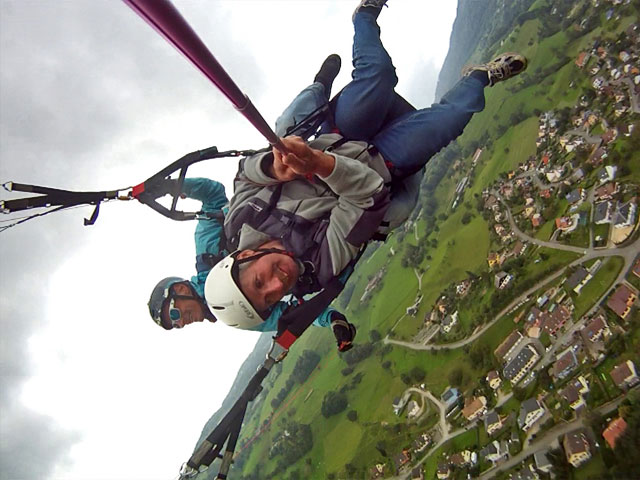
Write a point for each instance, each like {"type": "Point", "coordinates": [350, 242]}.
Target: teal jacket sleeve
{"type": "Point", "coordinates": [271, 323]}
{"type": "Point", "coordinates": [208, 231]}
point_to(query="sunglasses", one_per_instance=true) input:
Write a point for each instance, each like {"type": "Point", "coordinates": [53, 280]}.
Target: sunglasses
{"type": "Point", "coordinates": [174, 314]}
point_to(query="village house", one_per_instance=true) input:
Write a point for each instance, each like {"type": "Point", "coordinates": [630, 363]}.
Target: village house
{"type": "Point", "coordinates": [607, 191]}
{"type": "Point", "coordinates": [401, 459]}
{"type": "Point", "coordinates": [575, 196]}
{"type": "Point", "coordinates": [413, 409]}
{"type": "Point", "coordinates": [609, 136]}
{"type": "Point", "coordinates": [474, 407]}
{"type": "Point", "coordinates": [576, 447]}
{"type": "Point", "coordinates": [582, 59]}
{"type": "Point", "coordinates": [373, 283]}
{"type": "Point", "coordinates": [607, 174]}
{"type": "Point", "coordinates": [460, 459]}
{"type": "Point", "coordinates": [449, 322]}
{"type": "Point", "coordinates": [450, 398]}
{"type": "Point", "coordinates": [536, 318]}
{"type": "Point", "coordinates": [495, 451]}
{"type": "Point", "coordinates": [518, 248]}
{"type": "Point", "coordinates": [494, 380]}
{"type": "Point", "coordinates": [506, 190]}
{"type": "Point", "coordinates": [598, 156]}
{"type": "Point", "coordinates": [529, 211]}
{"type": "Point", "coordinates": [566, 362]}
{"type": "Point", "coordinates": [502, 280]}
{"type": "Point", "coordinates": [554, 174]}
{"type": "Point", "coordinates": [622, 300]}
{"type": "Point", "coordinates": [566, 224]}
{"type": "Point", "coordinates": [624, 375]}
{"type": "Point", "coordinates": [491, 203]}
{"type": "Point", "coordinates": [556, 319]}
{"type": "Point", "coordinates": [463, 288]}
{"type": "Point", "coordinates": [578, 279]}
{"type": "Point", "coordinates": [494, 259]}
{"type": "Point", "coordinates": [492, 422]}
{"type": "Point", "coordinates": [596, 328]}
{"type": "Point", "coordinates": [527, 472]}
{"type": "Point", "coordinates": [603, 212]}
{"type": "Point", "coordinates": [421, 443]}
{"type": "Point", "coordinates": [508, 346]}
{"type": "Point", "coordinates": [516, 369]}
{"type": "Point", "coordinates": [417, 474]}
{"type": "Point", "coordinates": [443, 471]}
{"type": "Point", "coordinates": [614, 431]}
{"type": "Point", "coordinates": [574, 393]}
{"type": "Point", "coordinates": [399, 404]}
{"type": "Point", "coordinates": [530, 412]}
{"type": "Point", "coordinates": [625, 215]}
{"type": "Point", "coordinates": [542, 461]}
{"type": "Point", "coordinates": [536, 220]}
{"type": "Point", "coordinates": [377, 471]}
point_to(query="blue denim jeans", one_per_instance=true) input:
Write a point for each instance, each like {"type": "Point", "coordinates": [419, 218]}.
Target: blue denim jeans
{"type": "Point", "coordinates": [407, 141]}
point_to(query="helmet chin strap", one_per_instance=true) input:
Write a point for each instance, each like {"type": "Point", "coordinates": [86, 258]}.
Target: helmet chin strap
{"type": "Point", "coordinates": [265, 251]}
{"type": "Point", "coordinates": [194, 296]}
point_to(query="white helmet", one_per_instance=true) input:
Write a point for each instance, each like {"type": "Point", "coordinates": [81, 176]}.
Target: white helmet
{"type": "Point", "coordinates": [226, 300]}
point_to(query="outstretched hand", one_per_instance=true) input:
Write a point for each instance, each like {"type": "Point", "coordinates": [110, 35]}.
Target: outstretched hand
{"type": "Point", "coordinates": [302, 160]}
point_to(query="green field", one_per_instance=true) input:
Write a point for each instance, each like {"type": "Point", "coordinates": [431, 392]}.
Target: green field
{"type": "Point", "coordinates": [599, 284]}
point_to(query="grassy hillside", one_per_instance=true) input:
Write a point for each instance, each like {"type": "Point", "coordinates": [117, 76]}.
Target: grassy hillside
{"type": "Point", "coordinates": [455, 243]}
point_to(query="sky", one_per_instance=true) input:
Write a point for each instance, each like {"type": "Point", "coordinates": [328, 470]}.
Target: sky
{"type": "Point", "coordinates": [91, 98]}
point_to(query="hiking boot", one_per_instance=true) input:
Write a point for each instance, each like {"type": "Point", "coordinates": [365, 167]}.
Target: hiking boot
{"type": "Point", "coordinates": [505, 66]}
{"type": "Point", "coordinates": [328, 72]}
{"type": "Point", "coordinates": [372, 6]}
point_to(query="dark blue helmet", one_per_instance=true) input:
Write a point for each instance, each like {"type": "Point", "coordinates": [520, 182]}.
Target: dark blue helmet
{"type": "Point", "coordinates": [159, 296]}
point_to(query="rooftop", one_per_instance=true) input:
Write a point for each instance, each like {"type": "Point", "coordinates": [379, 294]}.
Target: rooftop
{"type": "Point", "coordinates": [514, 367]}
{"type": "Point", "coordinates": [622, 372]}
{"type": "Point", "coordinates": [508, 343]}
{"type": "Point", "coordinates": [614, 431]}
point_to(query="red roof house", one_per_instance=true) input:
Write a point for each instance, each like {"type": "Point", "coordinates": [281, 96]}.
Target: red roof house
{"type": "Point", "coordinates": [614, 431]}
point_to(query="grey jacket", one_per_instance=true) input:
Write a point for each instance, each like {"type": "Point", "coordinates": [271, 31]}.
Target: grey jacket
{"type": "Point", "coordinates": [323, 221]}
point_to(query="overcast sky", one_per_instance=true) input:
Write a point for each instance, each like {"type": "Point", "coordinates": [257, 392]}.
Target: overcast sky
{"type": "Point", "coordinates": [92, 98]}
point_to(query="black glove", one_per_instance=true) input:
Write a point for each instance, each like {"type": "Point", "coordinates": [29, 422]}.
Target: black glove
{"type": "Point", "coordinates": [344, 331]}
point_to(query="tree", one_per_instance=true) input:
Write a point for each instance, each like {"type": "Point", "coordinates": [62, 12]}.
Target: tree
{"type": "Point", "coordinates": [561, 468]}
{"type": "Point", "coordinates": [307, 361]}
{"type": "Point", "coordinates": [375, 335]}
{"type": "Point", "coordinates": [455, 376]}
{"type": "Point", "coordinates": [519, 394]}
{"type": "Point", "coordinates": [333, 403]}
{"type": "Point", "coordinates": [352, 415]}
{"type": "Point", "coordinates": [418, 374]}
{"type": "Point", "coordinates": [593, 419]}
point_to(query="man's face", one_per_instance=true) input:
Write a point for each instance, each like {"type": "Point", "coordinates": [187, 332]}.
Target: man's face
{"type": "Point", "coordinates": [267, 279]}
{"type": "Point", "coordinates": [190, 308]}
